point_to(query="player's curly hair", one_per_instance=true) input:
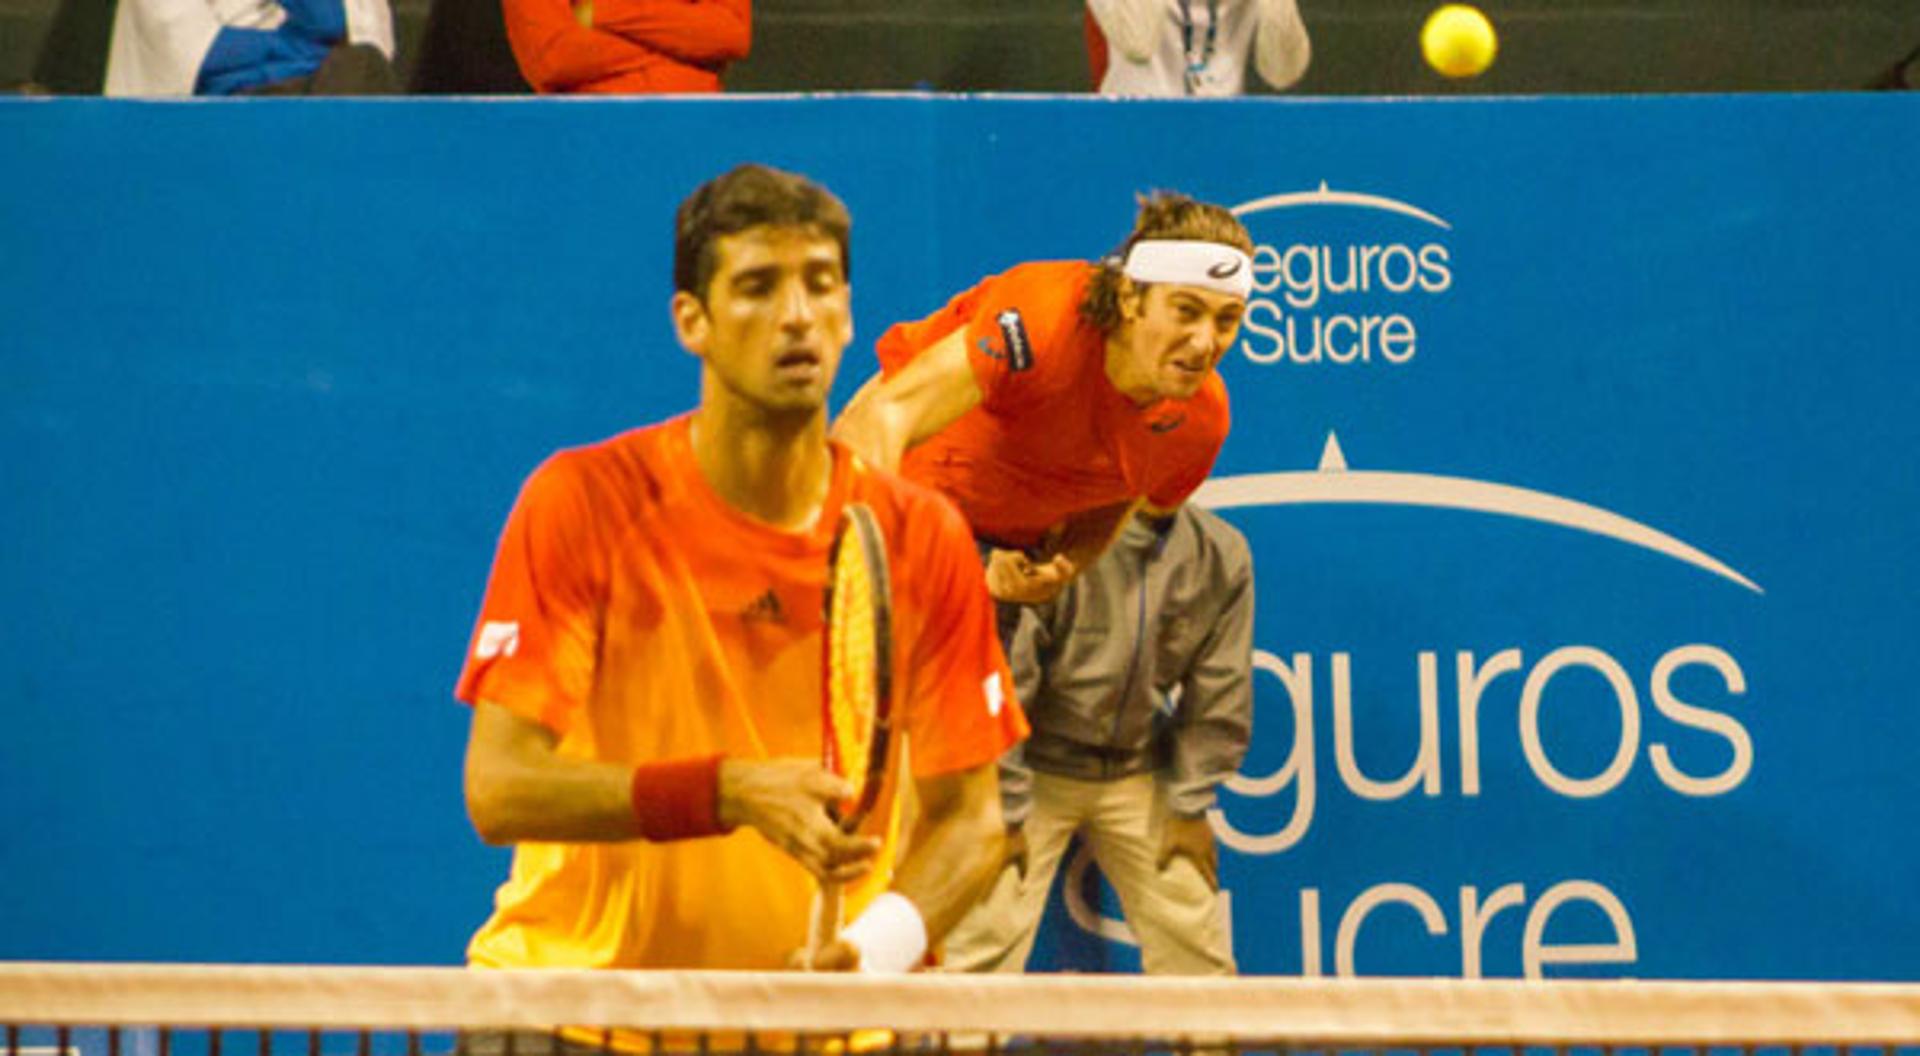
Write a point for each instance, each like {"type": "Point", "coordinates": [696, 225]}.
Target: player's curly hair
{"type": "Point", "coordinates": [1164, 215]}
{"type": "Point", "coordinates": [748, 196]}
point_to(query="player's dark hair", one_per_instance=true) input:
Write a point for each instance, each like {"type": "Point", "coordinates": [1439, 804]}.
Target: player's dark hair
{"type": "Point", "coordinates": [1163, 216]}
{"type": "Point", "coordinates": [749, 196]}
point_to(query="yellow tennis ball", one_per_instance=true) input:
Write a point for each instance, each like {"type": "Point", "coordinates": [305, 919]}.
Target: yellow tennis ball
{"type": "Point", "coordinates": [1458, 41]}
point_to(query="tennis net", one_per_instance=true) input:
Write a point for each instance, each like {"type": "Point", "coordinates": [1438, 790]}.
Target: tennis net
{"type": "Point", "coordinates": [72, 1009]}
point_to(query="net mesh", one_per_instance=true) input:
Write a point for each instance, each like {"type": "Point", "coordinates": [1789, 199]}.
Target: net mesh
{"type": "Point", "coordinates": [141, 1010]}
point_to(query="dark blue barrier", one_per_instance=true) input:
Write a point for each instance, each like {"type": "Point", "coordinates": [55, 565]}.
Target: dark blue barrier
{"type": "Point", "coordinates": [1593, 658]}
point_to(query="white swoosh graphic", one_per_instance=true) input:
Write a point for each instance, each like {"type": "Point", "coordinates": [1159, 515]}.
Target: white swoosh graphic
{"type": "Point", "coordinates": [1455, 493]}
{"type": "Point", "coordinates": [1323, 196]}
{"type": "Point", "coordinates": [1087, 916]}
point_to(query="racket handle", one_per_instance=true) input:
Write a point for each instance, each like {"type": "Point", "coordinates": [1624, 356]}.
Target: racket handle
{"type": "Point", "coordinates": [825, 927]}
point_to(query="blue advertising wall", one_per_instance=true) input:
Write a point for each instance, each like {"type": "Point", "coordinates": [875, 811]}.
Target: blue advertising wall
{"type": "Point", "coordinates": [1574, 439]}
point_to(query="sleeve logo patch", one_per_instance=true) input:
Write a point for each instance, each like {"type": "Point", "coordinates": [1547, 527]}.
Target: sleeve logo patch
{"type": "Point", "coordinates": [1014, 330]}
{"type": "Point", "coordinates": [497, 638]}
{"type": "Point", "coordinates": [996, 697]}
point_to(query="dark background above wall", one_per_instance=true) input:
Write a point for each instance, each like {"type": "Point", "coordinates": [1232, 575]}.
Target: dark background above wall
{"type": "Point", "coordinates": [1361, 47]}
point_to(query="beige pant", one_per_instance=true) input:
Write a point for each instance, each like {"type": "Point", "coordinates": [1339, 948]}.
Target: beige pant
{"type": "Point", "coordinates": [1174, 913]}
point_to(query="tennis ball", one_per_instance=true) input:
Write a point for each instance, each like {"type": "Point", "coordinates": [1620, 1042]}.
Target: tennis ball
{"type": "Point", "coordinates": [1458, 41]}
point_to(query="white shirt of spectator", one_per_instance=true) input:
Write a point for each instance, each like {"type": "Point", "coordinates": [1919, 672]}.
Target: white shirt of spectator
{"type": "Point", "coordinates": [1176, 47]}
{"type": "Point", "coordinates": [159, 45]}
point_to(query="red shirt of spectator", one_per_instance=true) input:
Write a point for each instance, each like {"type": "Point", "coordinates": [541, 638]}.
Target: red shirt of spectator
{"type": "Point", "coordinates": [627, 47]}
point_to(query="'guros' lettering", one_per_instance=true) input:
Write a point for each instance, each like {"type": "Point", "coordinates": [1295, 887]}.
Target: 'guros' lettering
{"type": "Point", "coordinates": [1506, 690]}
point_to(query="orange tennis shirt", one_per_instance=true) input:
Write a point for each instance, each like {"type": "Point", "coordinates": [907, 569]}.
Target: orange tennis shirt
{"type": "Point", "coordinates": [1051, 436]}
{"type": "Point", "coordinates": [640, 617]}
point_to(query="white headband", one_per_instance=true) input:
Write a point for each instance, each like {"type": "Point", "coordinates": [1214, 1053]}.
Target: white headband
{"type": "Point", "coordinates": [1208, 265]}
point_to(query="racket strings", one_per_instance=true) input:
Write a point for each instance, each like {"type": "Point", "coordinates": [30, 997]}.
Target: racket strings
{"type": "Point", "coordinates": [852, 696]}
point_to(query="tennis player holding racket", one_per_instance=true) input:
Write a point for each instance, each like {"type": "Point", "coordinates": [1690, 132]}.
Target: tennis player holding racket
{"type": "Point", "coordinates": [650, 723]}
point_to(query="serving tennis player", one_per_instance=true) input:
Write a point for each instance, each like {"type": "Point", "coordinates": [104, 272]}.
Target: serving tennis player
{"type": "Point", "coordinates": [646, 671]}
{"type": "Point", "coordinates": [1052, 400]}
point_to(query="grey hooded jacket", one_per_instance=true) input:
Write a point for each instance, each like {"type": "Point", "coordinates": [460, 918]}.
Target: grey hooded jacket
{"type": "Point", "coordinates": [1143, 663]}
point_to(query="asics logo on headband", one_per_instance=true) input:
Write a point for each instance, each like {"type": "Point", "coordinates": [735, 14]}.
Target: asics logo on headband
{"type": "Point", "coordinates": [1184, 262]}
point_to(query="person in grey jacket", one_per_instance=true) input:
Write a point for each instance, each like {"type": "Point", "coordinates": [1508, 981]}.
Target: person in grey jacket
{"type": "Point", "coordinates": [1138, 684]}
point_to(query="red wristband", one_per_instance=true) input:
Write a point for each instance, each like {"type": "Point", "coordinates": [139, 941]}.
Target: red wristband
{"type": "Point", "coordinates": [678, 799]}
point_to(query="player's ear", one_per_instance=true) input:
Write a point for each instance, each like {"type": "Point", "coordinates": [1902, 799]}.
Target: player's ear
{"type": "Point", "coordinates": [690, 322]}
{"type": "Point", "coordinates": [1132, 299]}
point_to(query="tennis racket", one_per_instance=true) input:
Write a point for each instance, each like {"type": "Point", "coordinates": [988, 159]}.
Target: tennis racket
{"type": "Point", "coordinates": [856, 687]}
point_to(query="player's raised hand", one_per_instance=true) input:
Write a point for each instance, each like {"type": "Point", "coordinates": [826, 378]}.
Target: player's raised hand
{"type": "Point", "coordinates": [786, 799]}
{"type": "Point", "coordinates": [1130, 26]}
{"type": "Point", "coordinates": [1013, 576]}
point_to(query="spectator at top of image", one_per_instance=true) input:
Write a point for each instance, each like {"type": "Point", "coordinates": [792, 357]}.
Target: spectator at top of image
{"type": "Point", "coordinates": [627, 47]}
{"type": "Point", "coordinates": [251, 47]}
{"type": "Point", "coordinates": [1181, 48]}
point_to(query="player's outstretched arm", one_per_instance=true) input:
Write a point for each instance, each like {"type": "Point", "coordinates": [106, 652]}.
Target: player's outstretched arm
{"type": "Point", "coordinates": [956, 848]}
{"type": "Point", "coordinates": [891, 414]}
{"type": "Point", "coordinates": [1072, 546]}
{"type": "Point", "coordinates": [1084, 536]}
{"type": "Point", "coordinates": [519, 788]}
